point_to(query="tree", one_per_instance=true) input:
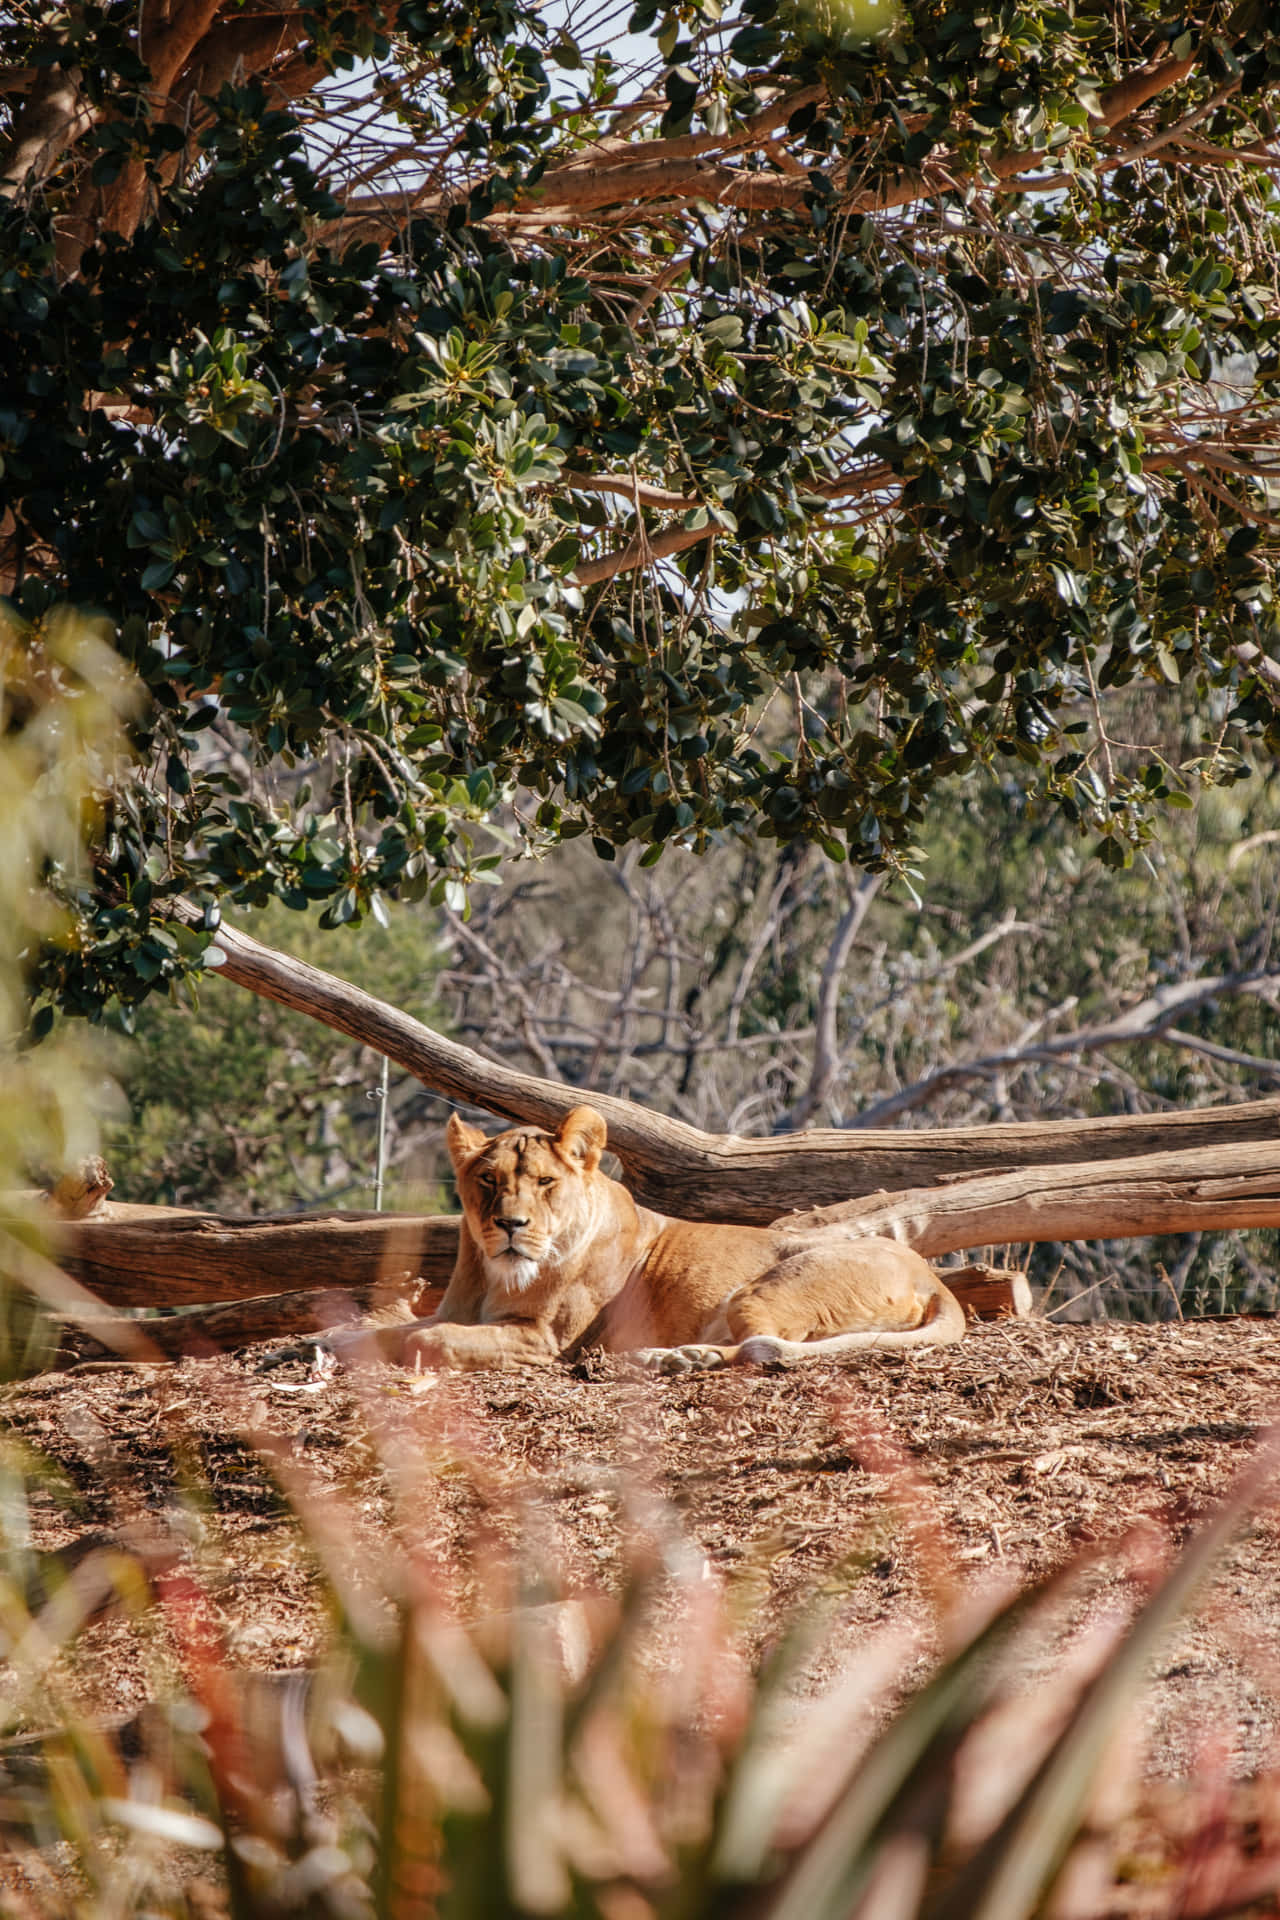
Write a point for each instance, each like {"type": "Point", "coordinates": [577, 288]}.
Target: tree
{"type": "Point", "coordinates": [760, 429]}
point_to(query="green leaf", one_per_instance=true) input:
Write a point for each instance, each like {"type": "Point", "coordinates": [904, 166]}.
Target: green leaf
{"type": "Point", "coordinates": [726, 330]}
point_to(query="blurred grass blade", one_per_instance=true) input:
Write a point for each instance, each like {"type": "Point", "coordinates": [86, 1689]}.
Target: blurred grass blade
{"type": "Point", "coordinates": [828, 1875]}
{"type": "Point", "coordinates": [163, 1823]}
{"type": "Point", "coordinates": [539, 1878]}
{"type": "Point", "coordinates": [1010, 1872]}
{"type": "Point", "coordinates": [757, 1781]}
{"type": "Point", "coordinates": [763, 1775]}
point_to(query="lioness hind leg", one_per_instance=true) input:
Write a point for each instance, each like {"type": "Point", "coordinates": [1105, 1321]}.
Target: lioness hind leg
{"type": "Point", "coordinates": [690, 1359]}
{"type": "Point", "coordinates": [819, 1301]}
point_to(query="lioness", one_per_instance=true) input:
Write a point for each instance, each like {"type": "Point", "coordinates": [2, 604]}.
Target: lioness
{"type": "Point", "coordinates": [553, 1255]}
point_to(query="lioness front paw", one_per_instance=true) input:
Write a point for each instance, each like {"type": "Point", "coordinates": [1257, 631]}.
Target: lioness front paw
{"type": "Point", "coordinates": [427, 1349]}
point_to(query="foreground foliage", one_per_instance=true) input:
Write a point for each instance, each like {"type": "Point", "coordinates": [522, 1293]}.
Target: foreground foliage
{"type": "Point", "coordinates": [752, 419]}
{"type": "Point", "coordinates": [526, 1751]}
{"type": "Point", "coordinates": [64, 702]}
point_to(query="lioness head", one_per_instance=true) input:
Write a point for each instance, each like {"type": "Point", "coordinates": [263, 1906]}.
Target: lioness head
{"type": "Point", "coordinates": [529, 1197]}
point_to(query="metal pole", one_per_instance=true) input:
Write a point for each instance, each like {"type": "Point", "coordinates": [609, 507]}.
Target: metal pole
{"type": "Point", "coordinates": [381, 1094]}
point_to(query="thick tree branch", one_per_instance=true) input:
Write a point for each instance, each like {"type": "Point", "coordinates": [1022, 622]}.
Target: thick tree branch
{"type": "Point", "coordinates": [54, 116]}
{"type": "Point", "coordinates": [168, 36]}
{"type": "Point", "coordinates": [1124, 97]}
{"type": "Point", "coordinates": [640, 552]}
{"type": "Point", "coordinates": [190, 56]}
{"type": "Point", "coordinates": [1158, 1193]}
{"type": "Point", "coordinates": [698, 1175]}
{"type": "Point", "coordinates": [640, 492]}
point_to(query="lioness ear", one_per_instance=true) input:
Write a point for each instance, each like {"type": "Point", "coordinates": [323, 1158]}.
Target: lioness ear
{"type": "Point", "coordinates": [583, 1134]}
{"type": "Point", "coordinates": [463, 1142]}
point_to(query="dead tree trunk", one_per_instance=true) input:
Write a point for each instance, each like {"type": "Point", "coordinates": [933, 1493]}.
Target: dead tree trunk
{"type": "Point", "coordinates": [702, 1176]}
{"type": "Point", "coordinates": [133, 1256]}
{"type": "Point", "coordinates": [1220, 1186]}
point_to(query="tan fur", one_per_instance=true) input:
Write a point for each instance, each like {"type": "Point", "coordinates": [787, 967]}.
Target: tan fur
{"type": "Point", "coordinates": [553, 1255]}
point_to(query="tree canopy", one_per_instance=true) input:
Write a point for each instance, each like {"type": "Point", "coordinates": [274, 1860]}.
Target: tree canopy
{"type": "Point", "coordinates": [641, 425]}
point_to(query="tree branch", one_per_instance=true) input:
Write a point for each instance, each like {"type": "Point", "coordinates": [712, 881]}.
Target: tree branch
{"type": "Point", "coordinates": [55, 115]}
{"type": "Point", "coordinates": [704, 1176]}
{"type": "Point", "coordinates": [826, 1044]}
{"type": "Point", "coordinates": [640, 492]}
{"type": "Point", "coordinates": [640, 552]}
{"type": "Point", "coordinates": [611, 174]}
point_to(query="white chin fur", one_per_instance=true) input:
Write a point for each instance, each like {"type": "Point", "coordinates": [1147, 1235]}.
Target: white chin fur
{"type": "Point", "coordinates": [515, 1273]}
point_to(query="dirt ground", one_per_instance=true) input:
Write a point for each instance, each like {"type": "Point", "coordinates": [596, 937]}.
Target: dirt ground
{"type": "Point", "coordinates": [1029, 1443]}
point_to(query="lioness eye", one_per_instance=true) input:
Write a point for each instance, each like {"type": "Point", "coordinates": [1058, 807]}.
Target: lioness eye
{"type": "Point", "coordinates": [547, 1180]}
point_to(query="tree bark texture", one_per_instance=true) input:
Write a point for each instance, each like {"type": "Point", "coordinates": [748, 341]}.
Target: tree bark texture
{"type": "Point", "coordinates": [133, 1256]}
{"type": "Point", "coordinates": [701, 1176]}
{"type": "Point", "coordinates": [270, 1316]}
{"type": "Point", "coordinates": [1223, 1186]}
{"type": "Point", "coordinates": [990, 1293]}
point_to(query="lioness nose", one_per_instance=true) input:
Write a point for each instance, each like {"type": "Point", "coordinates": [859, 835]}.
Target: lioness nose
{"type": "Point", "coordinates": [510, 1224]}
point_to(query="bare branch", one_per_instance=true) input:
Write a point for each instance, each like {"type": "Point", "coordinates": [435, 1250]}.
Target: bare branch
{"type": "Point", "coordinates": [826, 1051]}
{"type": "Point", "coordinates": [1230, 1056]}
{"type": "Point", "coordinates": [1146, 1021]}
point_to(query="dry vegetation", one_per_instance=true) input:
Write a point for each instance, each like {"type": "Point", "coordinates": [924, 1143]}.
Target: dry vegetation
{"type": "Point", "coordinates": [911, 1493]}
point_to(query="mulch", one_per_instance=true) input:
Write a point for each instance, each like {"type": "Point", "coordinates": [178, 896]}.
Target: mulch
{"type": "Point", "coordinates": [1029, 1444]}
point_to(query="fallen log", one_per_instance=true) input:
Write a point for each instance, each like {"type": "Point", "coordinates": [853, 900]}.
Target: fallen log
{"type": "Point", "coordinates": [990, 1293]}
{"type": "Point", "coordinates": [135, 1256]}
{"type": "Point", "coordinates": [985, 1293]}
{"type": "Point", "coordinates": [1213, 1187]}
{"type": "Point", "coordinates": [158, 1256]}
{"type": "Point", "coordinates": [269, 1316]}
{"type": "Point", "coordinates": [703, 1176]}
